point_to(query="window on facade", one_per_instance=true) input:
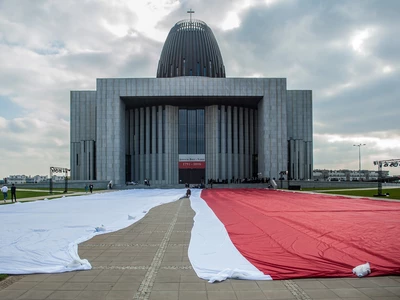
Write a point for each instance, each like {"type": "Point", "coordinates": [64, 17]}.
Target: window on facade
{"type": "Point", "coordinates": [151, 130]}
{"type": "Point", "coordinates": [191, 130]}
{"type": "Point", "coordinates": [163, 129]}
{"type": "Point", "coordinates": [219, 129]}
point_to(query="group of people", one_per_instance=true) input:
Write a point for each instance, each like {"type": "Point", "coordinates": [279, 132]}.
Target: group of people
{"type": "Point", "coordinates": [4, 190]}
{"type": "Point", "coordinates": [89, 187]}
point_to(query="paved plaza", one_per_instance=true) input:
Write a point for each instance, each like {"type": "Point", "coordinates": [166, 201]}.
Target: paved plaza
{"type": "Point", "coordinates": [148, 260]}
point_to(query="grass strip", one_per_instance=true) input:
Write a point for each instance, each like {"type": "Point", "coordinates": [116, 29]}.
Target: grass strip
{"type": "Point", "coordinates": [393, 193]}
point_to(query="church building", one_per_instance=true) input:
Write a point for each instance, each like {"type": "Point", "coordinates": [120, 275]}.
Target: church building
{"type": "Point", "coordinates": [190, 123]}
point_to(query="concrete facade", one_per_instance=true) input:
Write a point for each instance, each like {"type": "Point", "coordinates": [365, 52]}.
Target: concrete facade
{"type": "Point", "coordinates": [129, 128]}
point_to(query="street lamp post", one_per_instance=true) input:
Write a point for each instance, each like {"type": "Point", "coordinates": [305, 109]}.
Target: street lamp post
{"type": "Point", "coordinates": [359, 159]}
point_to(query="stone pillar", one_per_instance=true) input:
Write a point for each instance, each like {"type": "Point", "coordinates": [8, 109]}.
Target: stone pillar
{"type": "Point", "coordinates": [153, 144]}
{"type": "Point", "coordinates": [137, 147]}
{"type": "Point", "coordinates": [160, 157]}
{"type": "Point", "coordinates": [230, 161]}
{"type": "Point", "coordinates": [223, 144]}
{"type": "Point", "coordinates": [141, 145]}
{"type": "Point", "coordinates": [235, 143]}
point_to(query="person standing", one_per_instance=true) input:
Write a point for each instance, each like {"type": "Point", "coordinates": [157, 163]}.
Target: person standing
{"type": "Point", "coordinates": [4, 190]}
{"type": "Point", "coordinates": [13, 193]}
{"type": "Point", "coordinates": [91, 188]}
{"type": "Point", "coordinates": [86, 188]}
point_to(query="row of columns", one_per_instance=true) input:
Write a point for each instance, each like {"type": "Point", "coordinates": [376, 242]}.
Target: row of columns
{"type": "Point", "coordinates": [230, 141]}
{"type": "Point", "coordinates": [152, 143]}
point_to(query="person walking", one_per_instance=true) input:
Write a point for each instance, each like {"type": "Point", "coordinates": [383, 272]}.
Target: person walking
{"type": "Point", "coordinates": [4, 190]}
{"type": "Point", "coordinates": [86, 188]}
{"type": "Point", "coordinates": [13, 193]}
{"type": "Point", "coordinates": [91, 188]}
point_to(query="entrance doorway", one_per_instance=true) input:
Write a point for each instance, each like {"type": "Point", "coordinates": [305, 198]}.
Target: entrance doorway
{"type": "Point", "coordinates": [192, 176]}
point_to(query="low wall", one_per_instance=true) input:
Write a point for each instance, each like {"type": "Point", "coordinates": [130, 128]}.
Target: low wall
{"type": "Point", "coordinates": [72, 184]}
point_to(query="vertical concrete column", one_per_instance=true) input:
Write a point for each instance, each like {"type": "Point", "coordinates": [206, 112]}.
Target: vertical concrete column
{"type": "Point", "coordinates": [166, 142]}
{"type": "Point", "coordinates": [160, 141]}
{"type": "Point", "coordinates": [282, 154]}
{"type": "Point", "coordinates": [91, 160]}
{"type": "Point", "coordinates": [309, 165]}
{"type": "Point", "coordinates": [208, 141]}
{"type": "Point", "coordinates": [235, 143]}
{"type": "Point", "coordinates": [241, 144]}
{"type": "Point", "coordinates": [171, 163]}
{"type": "Point", "coordinates": [308, 117]}
{"type": "Point", "coordinates": [223, 144]}
{"type": "Point", "coordinates": [141, 143]}
{"type": "Point", "coordinates": [101, 131]}
{"type": "Point", "coordinates": [82, 128]}
{"type": "Point", "coordinates": [153, 144]}
{"type": "Point", "coordinates": [230, 161]}
{"type": "Point", "coordinates": [251, 141]}
{"type": "Point", "coordinates": [216, 137]}
{"type": "Point", "coordinates": [272, 129]}
{"type": "Point", "coordinates": [147, 150]}
{"type": "Point", "coordinates": [212, 143]}
{"type": "Point", "coordinates": [119, 161]}
{"type": "Point", "coordinates": [175, 157]}
{"type": "Point", "coordinates": [73, 162]}
{"type": "Point", "coordinates": [131, 141]}
{"type": "Point", "coordinates": [246, 144]}
{"type": "Point", "coordinates": [82, 158]}
{"type": "Point", "coordinates": [136, 156]}
{"type": "Point", "coordinates": [256, 132]}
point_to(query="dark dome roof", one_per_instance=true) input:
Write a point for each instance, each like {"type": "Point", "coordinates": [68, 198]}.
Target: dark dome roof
{"type": "Point", "coordinates": [190, 50]}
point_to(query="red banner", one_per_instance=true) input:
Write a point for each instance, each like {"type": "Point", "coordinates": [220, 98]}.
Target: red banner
{"type": "Point", "coordinates": [192, 165]}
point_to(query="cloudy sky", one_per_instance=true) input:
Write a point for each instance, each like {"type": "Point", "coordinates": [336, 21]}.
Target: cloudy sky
{"type": "Point", "coordinates": [347, 52]}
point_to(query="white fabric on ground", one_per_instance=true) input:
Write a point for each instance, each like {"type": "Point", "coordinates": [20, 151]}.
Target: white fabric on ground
{"type": "Point", "coordinates": [42, 236]}
{"type": "Point", "coordinates": [211, 251]}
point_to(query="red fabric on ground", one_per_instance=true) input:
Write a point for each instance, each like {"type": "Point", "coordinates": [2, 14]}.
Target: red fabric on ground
{"type": "Point", "coordinates": [298, 235]}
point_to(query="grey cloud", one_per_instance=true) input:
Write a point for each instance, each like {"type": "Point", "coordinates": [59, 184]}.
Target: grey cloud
{"type": "Point", "coordinates": [51, 47]}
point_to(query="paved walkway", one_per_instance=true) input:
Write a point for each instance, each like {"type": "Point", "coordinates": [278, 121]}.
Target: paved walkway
{"type": "Point", "coordinates": [148, 260]}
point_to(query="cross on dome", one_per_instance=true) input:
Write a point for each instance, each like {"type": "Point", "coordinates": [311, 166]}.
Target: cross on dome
{"type": "Point", "coordinates": [190, 12]}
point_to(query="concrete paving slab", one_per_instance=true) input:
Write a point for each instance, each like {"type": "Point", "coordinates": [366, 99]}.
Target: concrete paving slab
{"type": "Point", "coordinates": [148, 260]}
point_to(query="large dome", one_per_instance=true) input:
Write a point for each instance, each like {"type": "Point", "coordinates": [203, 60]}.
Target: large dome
{"type": "Point", "coordinates": [190, 50]}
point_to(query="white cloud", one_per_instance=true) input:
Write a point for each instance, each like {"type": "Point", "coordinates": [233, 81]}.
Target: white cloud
{"type": "Point", "coordinates": [231, 21]}
{"type": "Point", "coordinates": [358, 40]}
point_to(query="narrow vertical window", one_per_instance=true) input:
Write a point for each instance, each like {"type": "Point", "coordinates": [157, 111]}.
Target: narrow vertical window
{"type": "Point", "coordinates": [163, 129]}
{"type": "Point", "coordinates": [156, 123]}
{"type": "Point", "coordinates": [219, 129]}
{"type": "Point", "coordinates": [151, 130]}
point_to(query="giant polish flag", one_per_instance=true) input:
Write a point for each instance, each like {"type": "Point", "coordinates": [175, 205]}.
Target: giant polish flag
{"type": "Point", "coordinates": [292, 235]}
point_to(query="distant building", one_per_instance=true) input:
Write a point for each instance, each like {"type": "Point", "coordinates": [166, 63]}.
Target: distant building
{"type": "Point", "coordinates": [21, 179]}
{"type": "Point", "coordinates": [347, 175]}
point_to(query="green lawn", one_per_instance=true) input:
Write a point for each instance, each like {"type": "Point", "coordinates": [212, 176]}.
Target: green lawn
{"type": "Point", "coordinates": [393, 193]}
{"type": "Point", "coordinates": [3, 276]}
{"type": "Point", "coordinates": [28, 194]}
{"type": "Point", "coordinates": [41, 193]}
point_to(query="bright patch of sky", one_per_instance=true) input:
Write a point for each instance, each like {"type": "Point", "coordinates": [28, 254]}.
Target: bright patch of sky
{"type": "Point", "coordinates": [359, 39]}
{"type": "Point", "coordinates": [8, 109]}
